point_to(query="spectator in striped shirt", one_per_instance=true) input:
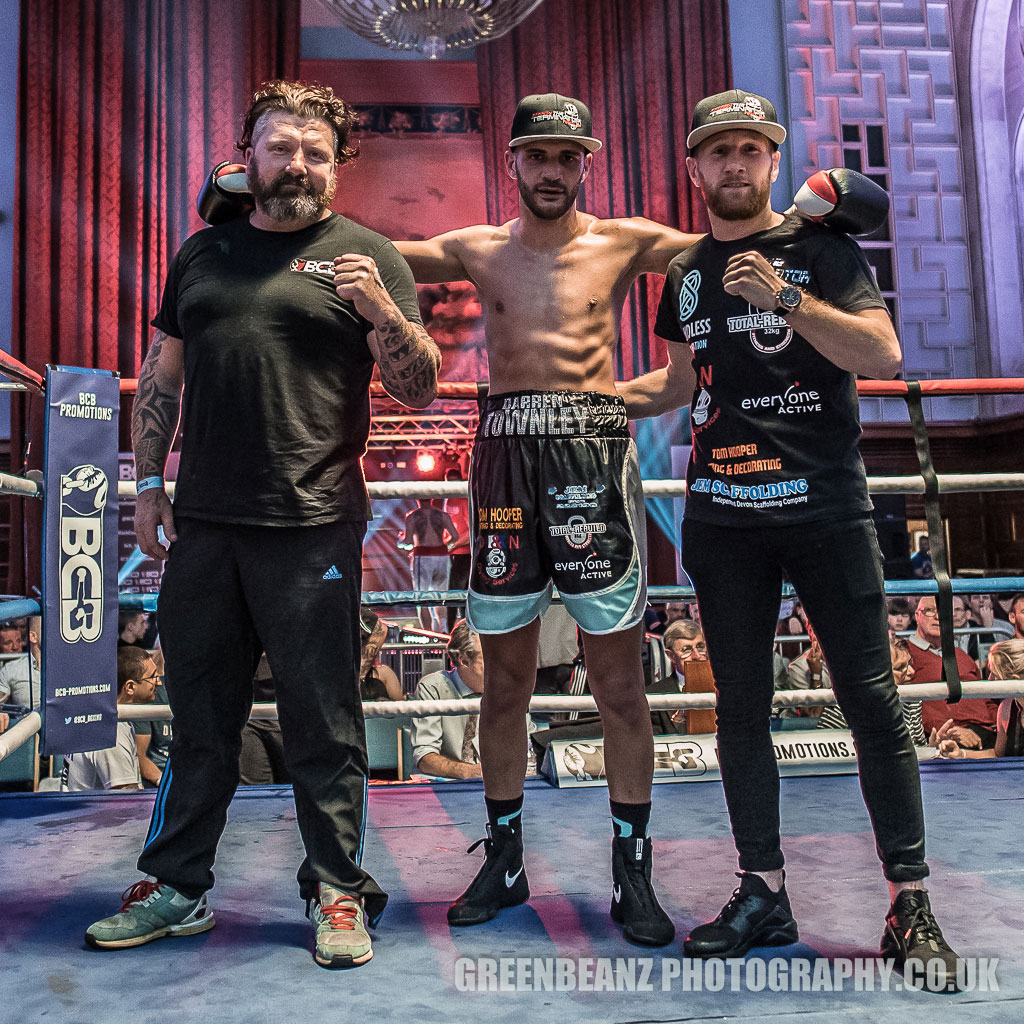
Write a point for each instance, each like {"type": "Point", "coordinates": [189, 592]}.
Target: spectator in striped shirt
{"type": "Point", "coordinates": [903, 673]}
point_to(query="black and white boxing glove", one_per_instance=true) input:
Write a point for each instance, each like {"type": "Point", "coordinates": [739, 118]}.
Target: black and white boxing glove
{"type": "Point", "coordinates": [225, 194]}
{"type": "Point", "coordinates": [845, 200]}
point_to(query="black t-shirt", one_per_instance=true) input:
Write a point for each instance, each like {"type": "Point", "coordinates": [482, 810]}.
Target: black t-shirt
{"type": "Point", "coordinates": [276, 406]}
{"type": "Point", "coordinates": [775, 424]}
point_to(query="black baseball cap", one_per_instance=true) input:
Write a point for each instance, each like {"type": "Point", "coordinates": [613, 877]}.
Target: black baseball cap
{"type": "Point", "coordinates": [726, 111]}
{"type": "Point", "coordinates": [551, 116]}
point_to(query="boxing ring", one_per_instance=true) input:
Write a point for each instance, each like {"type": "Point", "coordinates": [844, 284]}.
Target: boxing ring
{"type": "Point", "coordinates": [559, 956]}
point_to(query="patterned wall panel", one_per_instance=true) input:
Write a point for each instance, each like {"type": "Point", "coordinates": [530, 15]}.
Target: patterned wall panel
{"type": "Point", "coordinates": [871, 86]}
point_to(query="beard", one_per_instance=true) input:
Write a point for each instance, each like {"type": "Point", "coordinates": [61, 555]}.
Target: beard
{"type": "Point", "coordinates": [288, 198]}
{"type": "Point", "coordinates": [728, 204]}
{"type": "Point", "coordinates": [547, 212]}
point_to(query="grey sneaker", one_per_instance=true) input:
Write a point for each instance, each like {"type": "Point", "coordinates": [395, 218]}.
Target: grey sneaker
{"type": "Point", "coordinates": [150, 911]}
{"type": "Point", "coordinates": [341, 936]}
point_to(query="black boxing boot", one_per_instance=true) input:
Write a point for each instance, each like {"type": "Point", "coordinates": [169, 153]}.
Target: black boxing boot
{"type": "Point", "coordinates": [500, 883]}
{"type": "Point", "coordinates": [754, 916]}
{"type": "Point", "coordinates": [635, 904]}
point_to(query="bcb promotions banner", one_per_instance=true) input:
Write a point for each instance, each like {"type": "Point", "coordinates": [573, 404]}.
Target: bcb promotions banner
{"type": "Point", "coordinates": [580, 762]}
{"type": "Point", "coordinates": [79, 670]}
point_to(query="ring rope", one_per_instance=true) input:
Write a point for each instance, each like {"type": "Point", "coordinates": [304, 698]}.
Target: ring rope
{"type": "Point", "coordinates": [658, 701]}
{"type": "Point", "coordinates": [473, 390]}
{"type": "Point", "coordinates": [948, 483]}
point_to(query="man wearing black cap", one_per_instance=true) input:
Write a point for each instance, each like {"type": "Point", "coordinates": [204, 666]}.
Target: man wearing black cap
{"type": "Point", "coordinates": [556, 489]}
{"type": "Point", "coordinates": [779, 315]}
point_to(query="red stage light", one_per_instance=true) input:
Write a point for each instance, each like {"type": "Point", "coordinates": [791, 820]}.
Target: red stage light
{"type": "Point", "coordinates": [425, 462]}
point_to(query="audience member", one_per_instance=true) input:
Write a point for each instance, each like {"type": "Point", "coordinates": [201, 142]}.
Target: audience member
{"type": "Point", "coordinates": [261, 760]}
{"type": "Point", "coordinates": [979, 609]}
{"type": "Point", "coordinates": [1015, 615]}
{"type": "Point", "coordinates": [448, 745]}
{"type": "Point", "coordinates": [973, 718]}
{"type": "Point", "coordinates": [131, 627]}
{"type": "Point", "coordinates": [1006, 661]}
{"type": "Point", "coordinates": [11, 641]}
{"type": "Point", "coordinates": [900, 614]}
{"type": "Point", "coordinates": [115, 767]}
{"type": "Point", "coordinates": [921, 560]}
{"type": "Point", "coordinates": [1004, 604]}
{"type": "Point", "coordinates": [672, 611]}
{"type": "Point", "coordinates": [376, 682]}
{"type": "Point", "coordinates": [807, 671]}
{"type": "Point", "coordinates": [429, 534]}
{"type": "Point", "coordinates": [903, 672]}
{"type": "Point", "coordinates": [19, 677]}
{"type": "Point", "coordinates": [684, 643]}
{"type": "Point", "coordinates": [153, 738]}
{"type": "Point", "coordinates": [557, 647]}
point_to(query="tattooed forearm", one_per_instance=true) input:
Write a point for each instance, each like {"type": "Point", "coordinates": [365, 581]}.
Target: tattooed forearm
{"type": "Point", "coordinates": [409, 360]}
{"type": "Point", "coordinates": [157, 406]}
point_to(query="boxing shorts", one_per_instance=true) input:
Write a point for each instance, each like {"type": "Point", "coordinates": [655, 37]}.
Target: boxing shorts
{"type": "Point", "coordinates": [556, 498]}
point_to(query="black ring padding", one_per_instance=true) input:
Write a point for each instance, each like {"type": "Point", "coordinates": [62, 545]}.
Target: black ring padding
{"type": "Point", "coordinates": [936, 541]}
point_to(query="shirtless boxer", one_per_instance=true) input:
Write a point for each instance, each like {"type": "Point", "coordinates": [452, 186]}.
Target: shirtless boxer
{"type": "Point", "coordinates": [427, 534]}
{"type": "Point", "coordinates": [555, 487]}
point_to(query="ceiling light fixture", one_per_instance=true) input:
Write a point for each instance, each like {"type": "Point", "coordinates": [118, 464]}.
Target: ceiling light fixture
{"type": "Point", "coordinates": [431, 26]}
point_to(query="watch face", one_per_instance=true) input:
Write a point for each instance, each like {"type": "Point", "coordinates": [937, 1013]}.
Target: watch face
{"type": "Point", "coordinates": [790, 296]}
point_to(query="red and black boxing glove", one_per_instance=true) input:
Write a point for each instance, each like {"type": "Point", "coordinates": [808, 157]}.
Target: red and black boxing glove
{"type": "Point", "coordinates": [225, 194]}
{"type": "Point", "coordinates": [845, 200]}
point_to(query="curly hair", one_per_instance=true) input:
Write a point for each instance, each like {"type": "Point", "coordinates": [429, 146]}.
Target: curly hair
{"type": "Point", "coordinates": [303, 99]}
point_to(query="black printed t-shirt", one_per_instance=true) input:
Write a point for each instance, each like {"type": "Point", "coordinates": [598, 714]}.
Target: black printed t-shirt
{"type": "Point", "coordinates": [276, 406]}
{"type": "Point", "coordinates": [775, 424]}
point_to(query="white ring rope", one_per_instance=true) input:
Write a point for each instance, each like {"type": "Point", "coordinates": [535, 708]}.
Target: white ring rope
{"type": "Point", "coordinates": [19, 733]}
{"type": "Point", "coordinates": [658, 701]}
{"type": "Point", "coordinates": [28, 726]}
{"type": "Point", "coordinates": [949, 483]}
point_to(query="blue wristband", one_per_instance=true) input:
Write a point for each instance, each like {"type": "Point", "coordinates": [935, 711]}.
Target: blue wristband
{"type": "Point", "coordinates": [148, 483]}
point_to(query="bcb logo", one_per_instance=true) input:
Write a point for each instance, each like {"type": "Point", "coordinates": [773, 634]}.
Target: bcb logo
{"type": "Point", "coordinates": [83, 497]}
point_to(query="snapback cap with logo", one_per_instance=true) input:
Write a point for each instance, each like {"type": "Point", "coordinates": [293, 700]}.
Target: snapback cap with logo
{"type": "Point", "coordinates": [549, 116]}
{"type": "Point", "coordinates": [735, 109]}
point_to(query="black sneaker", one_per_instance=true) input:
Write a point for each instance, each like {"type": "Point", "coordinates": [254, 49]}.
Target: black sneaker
{"type": "Point", "coordinates": [500, 883]}
{"type": "Point", "coordinates": [635, 905]}
{"type": "Point", "coordinates": [912, 934]}
{"type": "Point", "coordinates": [754, 916]}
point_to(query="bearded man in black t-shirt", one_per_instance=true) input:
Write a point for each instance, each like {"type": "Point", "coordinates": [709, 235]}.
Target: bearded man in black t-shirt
{"type": "Point", "coordinates": [779, 315]}
{"type": "Point", "coordinates": [272, 323]}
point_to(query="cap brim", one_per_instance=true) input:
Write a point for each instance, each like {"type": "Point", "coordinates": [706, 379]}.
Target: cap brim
{"type": "Point", "coordinates": [590, 145]}
{"type": "Point", "coordinates": [773, 131]}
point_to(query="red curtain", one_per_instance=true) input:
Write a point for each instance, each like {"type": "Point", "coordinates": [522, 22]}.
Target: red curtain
{"type": "Point", "coordinates": [122, 108]}
{"type": "Point", "coordinates": [640, 67]}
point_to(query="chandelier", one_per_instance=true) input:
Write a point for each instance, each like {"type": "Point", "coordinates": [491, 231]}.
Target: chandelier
{"type": "Point", "coordinates": [431, 26]}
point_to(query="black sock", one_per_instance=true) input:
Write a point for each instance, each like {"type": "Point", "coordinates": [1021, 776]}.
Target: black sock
{"type": "Point", "coordinates": [505, 812]}
{"type": "Point", "coordinates": [630, 820]}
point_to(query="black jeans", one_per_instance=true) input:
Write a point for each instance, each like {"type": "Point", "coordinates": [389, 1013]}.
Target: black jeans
{"type": "Point", "coordinates": [228, 593]}
{"type": "Point", "coordinates": [836, 568]}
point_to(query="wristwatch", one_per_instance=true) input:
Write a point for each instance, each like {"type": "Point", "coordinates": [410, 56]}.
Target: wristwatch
{"type": "Point", "coordinates": [788, 298]}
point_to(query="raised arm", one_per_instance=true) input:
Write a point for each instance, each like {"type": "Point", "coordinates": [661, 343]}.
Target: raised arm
{"type": "Point", "coordinates": [660, 390]}
{"type": "Point", "coordinates": [657, 244]}
{"type": "Point", "coordinates": [155, 414]}
{"type": "Point", "coordinates": [436, 259]}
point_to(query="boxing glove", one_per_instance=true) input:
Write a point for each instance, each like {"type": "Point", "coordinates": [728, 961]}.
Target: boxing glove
{"type": "Point", "coordinates": [843, 199]}
{"type": "Point", "coordinates": [225, 194]}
